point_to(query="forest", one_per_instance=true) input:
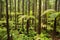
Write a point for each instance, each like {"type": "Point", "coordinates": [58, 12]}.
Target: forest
{"type": "Point", "coordinates": [29, 19]}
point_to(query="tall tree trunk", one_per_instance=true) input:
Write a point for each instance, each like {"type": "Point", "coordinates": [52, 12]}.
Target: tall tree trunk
{"type": "Point", "coordinates": [23, 7]}
{"type": "Point", "coordinates": [23, 14]}
{"type": "Point", "coordinates": [46, 5]}
{"type": "Point", "coordinates": [19, 5]}
{"type": "Point", "coordinates": [15, 16]}
{"type": "Point", "coordinates": [55, 5]}
{"type": "Point", "coordinates": [7, 22]}
{"type": "Point", "coordinates": [35, 13]}
{"type": "Point", "coordinates": [28, 11]}
{"type": "Point", "coordinates": [10, 10]}
{"type": "Point", "coordinates": [33, 8]}
{"type": "Point", "coordinates": [39, 18]}
{"type": "Point", "coordinates": [1, 9]}
{"type": "Point", "coordinates": [28, 7]}
{"type": "Point", "coordinates": [58, 5]}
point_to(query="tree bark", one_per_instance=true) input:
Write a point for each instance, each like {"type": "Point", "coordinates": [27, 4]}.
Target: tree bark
{"type": "Point", "coordinates": [54, 30]}
{"type": "Point", "coordinates": [55, 5]}
{"type": "Point", "coordinates": [15, 16]}
{"type": "Point", "coordinates": [7, 22]}
{"type": "Point", "coordinates": [35, 14]}
{"type": "Point", "coordinates": [28, 11]}
{"type": "Point", "coordinates": [10, 10]}
{"type": "Point", "coordinates": [23, 14]}
{"type": "Point", "coordinates": [28, 26]}
{"type": "Point", "coordinates": [23, 7]}
{"type": "Point", "coordinates": [28, 7]}
{"type": "Point", "coordinates": [58, 5]}
{"type": "Point", "coordinates": [39, 18]}
{"type": "Point", "coordinates": [46, 2]}
{"type": "Point", "coordinates": [19, 6]}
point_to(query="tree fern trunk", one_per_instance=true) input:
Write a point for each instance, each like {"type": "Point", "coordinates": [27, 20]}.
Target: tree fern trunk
{"type": "Point", "coordinates": [27, 26]}
{"type": "Point", "coordinates": [54, 30]}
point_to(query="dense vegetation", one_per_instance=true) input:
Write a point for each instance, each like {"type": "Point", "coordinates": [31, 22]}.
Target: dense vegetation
{"type": "Point", "coordinates": [29, 19]}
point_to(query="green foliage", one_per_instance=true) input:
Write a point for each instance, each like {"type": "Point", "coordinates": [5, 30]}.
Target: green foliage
{"type": "Point", "coordinates": [48, 17]}
{"type": "Point", "coordinates": [3, 34]}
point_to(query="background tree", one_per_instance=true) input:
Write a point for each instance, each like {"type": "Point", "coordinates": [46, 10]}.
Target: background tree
{"type": "Point", "coordinates": [39, 18]}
